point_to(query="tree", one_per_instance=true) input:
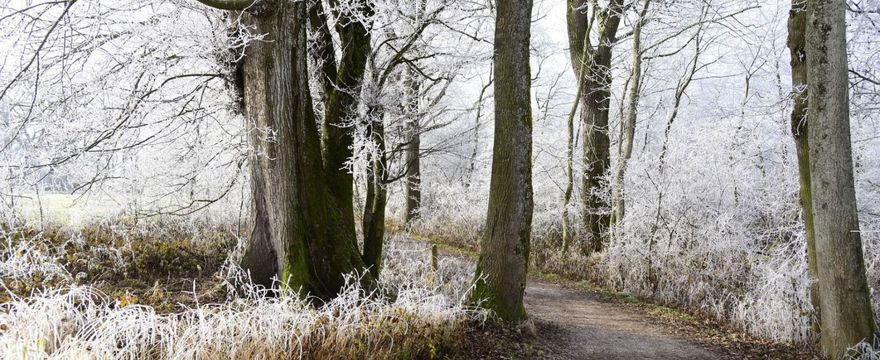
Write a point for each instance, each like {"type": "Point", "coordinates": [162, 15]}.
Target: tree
{"type": "Point", "coordinates": [592, 68]}
{"type": "Point", "coordinates": [628, 125]}
{"type": "Point", "coordinates": [407, 83]}
{"type": "Point", "coordinates": [412, 189]}
{"type": "Point", "coordinates": [504, 251]}
{"type": "Point", "coordinates": [844, 304]}
{"type": "Point", "coordinates": [299, 225]}
{"type": "Point", "coordinates": [341, 87]}
{"type": "Point", "coordinates": [797, 27]}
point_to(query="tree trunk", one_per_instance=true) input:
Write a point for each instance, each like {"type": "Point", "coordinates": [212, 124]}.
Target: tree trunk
{"type": "Point", "coordinates": [569, 172]}
{"type": "Point", "coordinates": [412, 159]}
{"type": "Point", "coordinates": [596, 159]}
{"type": "Point", "coordinates": [797, 27]}
{"type": "Point", "coordinates": [845, 305]}
{"type": "Point", "coordinates": [377, 196]}
{"type": "Point", "coordinates": [472, 168]}
{"type": "Point", "coordinates": [595, 79]}
{"type": "Point", "coordinates": [294, 210]}
{"type": "Point", "coordinates": [342, 88]}
{"type": "Point", "coordinates": [628, 126]}
{"type": "Point", "coordinates": [504, 252]}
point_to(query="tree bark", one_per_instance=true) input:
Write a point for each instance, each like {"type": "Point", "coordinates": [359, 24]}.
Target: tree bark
{"type": "Point", "coordinates": [293, 209]}
{"type": "Point", "coordinates": [341, 85]}
{"type": "Point", "coordinates": [412, 158]}
{"type": "Point", "coordinates": [373, 222]}
{"type": "Point", "coordinates": [569, 172]}
{"type": "Point", "coordinates": [797, 27]}
{"type": "Point", "coordinates": [628, 126]}
{"type": "Point", "coordinates": [845, 306]}
{"type": "Point", "coordinates": [342, 89]}
{"type": "Point", "coordinates": [504, 252]}
{"type": "Point", "coordinates": [596, 102]}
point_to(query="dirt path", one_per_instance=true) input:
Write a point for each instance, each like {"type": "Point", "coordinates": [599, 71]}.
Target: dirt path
{"type": "Point", "coordinates": [574, 324]}
{"type": "Point", "coordinates": [579, 324]}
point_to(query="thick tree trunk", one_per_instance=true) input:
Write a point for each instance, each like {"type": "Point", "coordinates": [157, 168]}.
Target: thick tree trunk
{"type": "Point", "coordinates": [596, 159]}
{"type": "Point", "coordinates": [413, 191]}
{"type": "Point", "coordinates": [845, 306]}
{"type": "Point", "coordinates": [595, 80]}
{"type": "Point", "coordinates": [342, 89]}
{"type": "Point", "coordinates": [341, 84]}
{"type": "Point", "coordinates": [797, 28]}
{"type": "Point", "coordinates": [504, 252]}
{"type": "Point", "coordinates": [294, 210]}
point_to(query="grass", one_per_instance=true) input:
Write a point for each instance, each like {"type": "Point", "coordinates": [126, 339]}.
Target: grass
{"type": "Point", "coordinates": [703, 327]}
{"type": "Point", "coordinates": [66, 209]}
{"type": "Point", "coordinates": [153, 290]}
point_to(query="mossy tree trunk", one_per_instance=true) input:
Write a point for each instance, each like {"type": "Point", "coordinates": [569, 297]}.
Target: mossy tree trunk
{"type": "Point", "coordinates": [844, 297]}
{"type": "Point", "coordinates": [504, 251]}
{"type": "Point", "coordinates": [341, 84]}
{"type": "Point", "coordinates": [797, 28]}
{"type": "Point", "coordinates": [299, 232]}
{"type": "Point", "coordinates": [592, 67]}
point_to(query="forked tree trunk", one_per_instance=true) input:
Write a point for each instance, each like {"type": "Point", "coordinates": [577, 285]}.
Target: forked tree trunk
{"type": "Point", "coordinates": [592, 67]}
{"type": "Point", "coordinates": [341, 84]}
{"type": "Point", "coordinates": [845, 305]}
{"type": "Point", "coordinates": [797, 28]}
{"type": "Point", "coordinates": [504, 251]}
{"type": "Point", "coordinates": [293, 208]}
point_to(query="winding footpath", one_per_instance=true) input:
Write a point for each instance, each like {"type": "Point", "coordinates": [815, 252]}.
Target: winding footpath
{"type": "Point", "coordinates": [574, 324]}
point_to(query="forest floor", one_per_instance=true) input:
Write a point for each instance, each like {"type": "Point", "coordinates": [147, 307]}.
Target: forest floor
{"type": "Point", "coordinates": [577, 320]}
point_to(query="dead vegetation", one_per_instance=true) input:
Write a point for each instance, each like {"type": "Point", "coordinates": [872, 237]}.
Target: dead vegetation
{"type": "Point", "coordinates": [169, 291]}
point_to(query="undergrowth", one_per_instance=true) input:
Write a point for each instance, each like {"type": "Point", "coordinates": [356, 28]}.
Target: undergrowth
{"type": "Point", "coordinates": [167, 291]}
{"type": "Point", "coordinates": [741, 263]}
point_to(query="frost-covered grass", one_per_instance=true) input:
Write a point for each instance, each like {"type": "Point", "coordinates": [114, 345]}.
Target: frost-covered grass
{"type": "Point", "coordinates": [865, 350]}
{"type": "Point", "coordinates": [57, 310]}
{"type": "Point", "coordinates": [741, 261]}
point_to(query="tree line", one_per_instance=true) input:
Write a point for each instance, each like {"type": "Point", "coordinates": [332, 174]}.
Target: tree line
{"type": "Point", "coordinates": [301, 139]}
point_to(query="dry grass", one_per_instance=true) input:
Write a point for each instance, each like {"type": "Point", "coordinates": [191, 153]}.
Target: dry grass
{"type": "Point", "coordinates": [163, 291]}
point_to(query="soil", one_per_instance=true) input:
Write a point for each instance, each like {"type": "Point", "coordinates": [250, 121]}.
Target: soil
{"type": "Point", "coordinates": [574, 324]}
{"type": "Point", "coordinates": [572, 321]}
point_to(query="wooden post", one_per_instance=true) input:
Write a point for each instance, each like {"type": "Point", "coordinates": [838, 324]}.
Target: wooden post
{"type": "Point", "coordinates": [434, 265]}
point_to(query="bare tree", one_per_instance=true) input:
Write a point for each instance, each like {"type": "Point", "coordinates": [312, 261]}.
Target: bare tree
{"type": "Point", "coordinates": [299, 219]}
{"type": "Point", "coordinates": [628, 125]}
{"type": "Point", "coordinates": [797, 28]}
{"type": "Point", "coordinates": [845, 311]}
{"type": "Point", "coordinates": [504, 251]}
{"type": "Point", "coordinates": [592, 67]}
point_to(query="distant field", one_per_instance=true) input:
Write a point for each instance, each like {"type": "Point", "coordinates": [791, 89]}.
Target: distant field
{"type": "Point", "coordinates": [66, 209]}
